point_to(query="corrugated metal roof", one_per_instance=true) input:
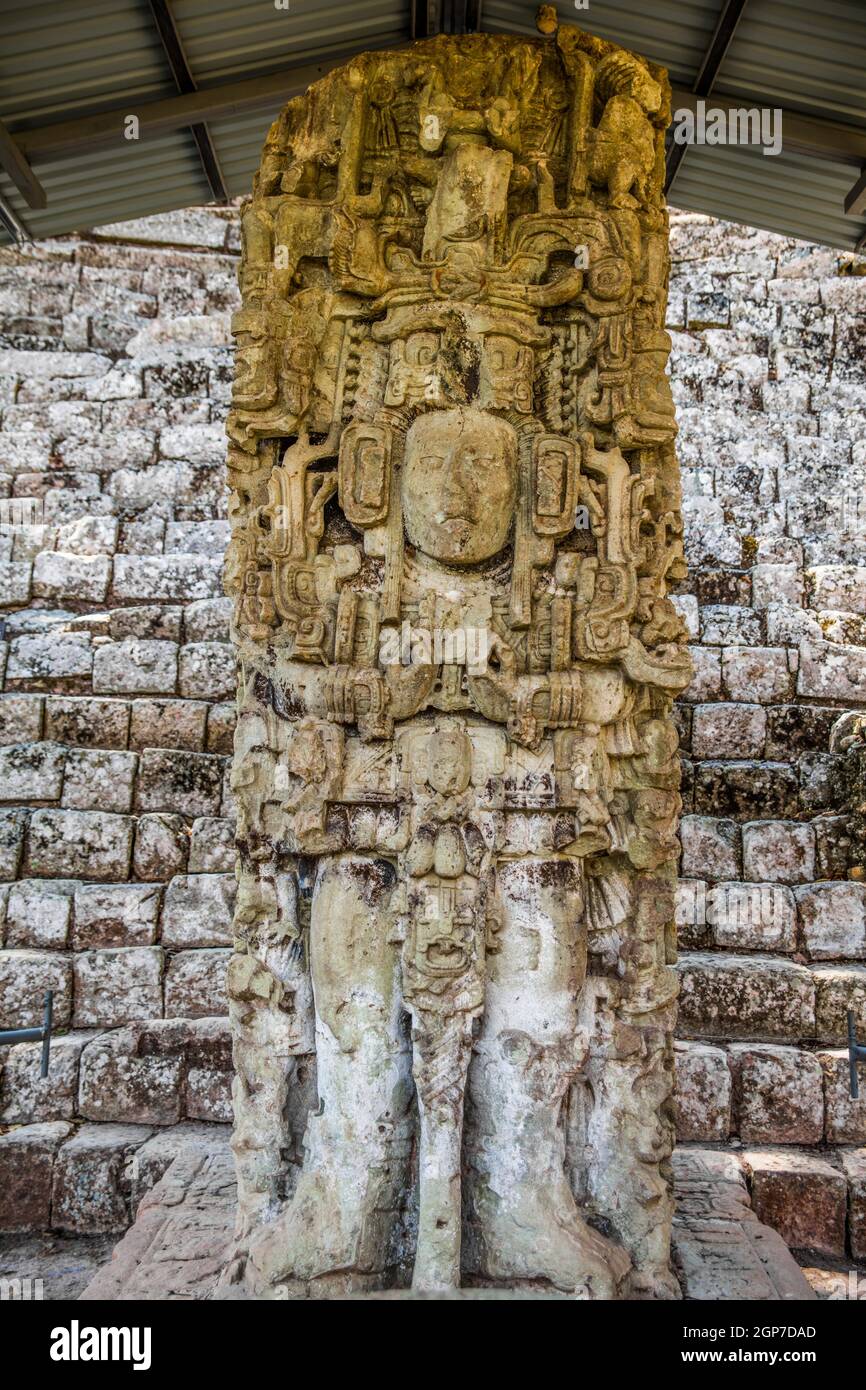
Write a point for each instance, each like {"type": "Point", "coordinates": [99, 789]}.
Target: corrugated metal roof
{"type": "Point", "coordinates": [85, 56]}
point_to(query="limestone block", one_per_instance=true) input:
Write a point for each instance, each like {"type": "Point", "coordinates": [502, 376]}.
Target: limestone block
{"type": "Point", "coordinates": [735, 997]}
{"type": "Point", "coordinates": [833, 920]}
{"type": "Point", "coordinates": [736, 788]}
{"type": "Point", "coordinates": [12, 827]}
{"type": "Point", "coordinates": [778, 1094]}
{"type": "Point", "coordinates": [71, 578]}
{"type": "Point", "coordinates": [21, 718]}
{"type": "Point", "coordinates": [706, 681]}
{"type": "Point", "coordinates": [207, 620]}
{"type": "Point", "coordinates": [221, 723]}
{"type": "Point", "coordinates": [115, 986]}
{"type": "Point", "coordinates": [92, 1178]}
{"type": "Point", "coordinates": [31, 771]}
{"type": "Point", "coordinates": [752, 917]}
{"type": "Point", "coordinates": [207, 671]}
{"type": "Point", "coordinates": [725, 625]}
{"type": "Point", "coordinates": [198, 911]}
{"type": "Point", "coordinates": [125, 1079]}
{"type": "Point", "coordinates": [39, 913]}
{"type": "Point", "coordinates": [197, 537]}
{"type": "Point", "coordinates": [753, 673]}
{"type": "Point", "coordinates": [15, 582]}
{"type": "Point", "coordinates": [161, 847]}
{"type": "Point", "coordinates": [838, 989]}
{"type": "Point", "coordinates": [168, 724]}
{"type": "Point", "coordinates": [135, 668]}
{"type": "Point", "coordinates": [195, 984]}
{"type": "Point", "coordinates": [831, 671]}
{"type": "Point", "coordinates": [845, 1117]}
{"type": "Point", "coordinates": [28, 1098]}
{"type": "Point", "coordinates": [779, 851]}
{"type": "Point", "coordinates": [207, 1093]}
{"type": "Point", "coordinates": [197, 443]}
{"type": "Point", "coordinates": [838, 587]}
{"type": "Point", "coordinates": [703, 1093]}
{"type": "Point", "coordinates": [87, 723]}
{"type": "Point", "coordinates": [99, 779]}
{"type": "Point", "coordinates": [777, 584]}
{"type": "Point", "coordinates": [90, 535]}
{"type": "Point", "coordinates": [212, 846]}
{"type": "Point", "coordinates": [711, 847]}
{"type": "Point", "coordinates": [854, 1167]}
{"type": "Point", "coordinates": [802, 1196]}
{"type": "Point", "coordinates": [79, 844]}
{"type": "Point", "coordinates": [148, 621]}
{"type": "Point", "coordinates": [122, 914]}
{"type": "Point", "coordinates": [42, 659]}
{"type": "Point", "coordinates": [25, 976]}
{"type": "Point", "coordinates": [728, 730]}
{"type": "Point", "coordinates": [175, 578]}
{"type": "Point", "coordinates": [27, 1159]}
{"type": "Point", "coordinates": [178, 781]}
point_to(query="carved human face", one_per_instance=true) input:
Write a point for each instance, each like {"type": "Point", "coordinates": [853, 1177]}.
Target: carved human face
{"type": "Point", "coordinates": [459, 485]}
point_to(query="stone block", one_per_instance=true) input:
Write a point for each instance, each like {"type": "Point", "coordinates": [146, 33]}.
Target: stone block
{"type": "Point", "coordinates": [168, 724]}
{"type": "Point", "coordinates": [121, 914]}
{"type": "Point", "coordinates": [40, 660]}
{"type": "Point", "coordinates": [854, 1167]}
{"type": "Point", "coordinates": [726, 624]}
{"type": "Point", "coordinates": [801, 1196]}
{"type": "Point", "coordinates": [15, 582]}
{"type": "Point", "coordinates": [26, 1097]}
{"type": "Point", "coordinates": [86, 722]}
{"type": "Point", "coordinates": [752, 917]}
{"type": "Point", "coordinates": [99, 779]}
{"type": "Point", "coordinates": [195, 984]}
{"type": "Point", "coordinates": [756, 674]}
{"type": "Point", "coordinates": [25, 976]}
{"type": "Point", "coordinates": [27, 1158]}
{"type": "Point", "coordinates": [833, 920]}
{"type": "Point", "coordinates": [711, 847]}
{"type": "Point", "coordinates": [152, 622]}
{"type": "Point", "coordinates": [703, 1093]}
{"type": "Point", "coordinates": [13, 824]}
{"type": "Point", "coordinates": [777, 584]}
{"type": "Point", "coordinates": [736, 789]}
{"type": "Point", "coordinates": [39, 913]}
{"type": "Point", "coordinates": [839, 988]}
{"type": "Point", "coordinates": [832, 671]}
{"type": "Point", "coordinates": [117, 985]}
{"type": "Point", "coordinates": [221, 723]}
{"type": "Point", "coordinates": [212, 846]}
{"type": "Point", "coordinates": [92, 1178]}
{"type": "Point", "coordinates": [207, 671]}
{"type": "Point", "coordinates": [706, 681]}
{"type": "Point", "coordinates": [161, 847]}
{"type": "Point", "coordinates": [79, 844]}
{"type": "Point", "coordinates": [738, 997]}
{"type": "Point", "coordinates": [198, 911]}
{"type": "Point", "coordinates": [207, 620]}
{"type": "Point", "coordinates": [178, 781]}
{"type": "Point", "coordinates": [838, 587]}
{"type": "Point", "coordinates": [135, 668]}
{"type": "Point", "coordinates": [124, 1079]}
{"type": "Point", "coordinates": [779, 852]}
{"type": "Point", "coordinates": [166, 578]}
{"type": "Point", "coordinates": [21, 718]}
{"type": "Point", "coordinates": [729, 730]}
{"type": "Point", "coordinates": [778, 1094]}
{"type": "Point", "coordinates": [71, 578]}
{"type": "Point", "coordinates": [845, 1117]}
{"type": "Point", "coordinates": [31, 771]}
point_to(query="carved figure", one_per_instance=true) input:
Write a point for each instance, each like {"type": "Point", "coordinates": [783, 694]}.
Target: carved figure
{"type": "Point", "coordinates": [455, 511]}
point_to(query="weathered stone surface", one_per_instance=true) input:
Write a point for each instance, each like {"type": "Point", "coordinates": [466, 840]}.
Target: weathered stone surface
{"type": "Point", "coordinates": [831, 671]}
{"type": "Point", "coordinates": [778, 1094]}
{"type": "Point", "coordinates": [87, 722]}
{"type": "Point", "coordinates": [778, 852]}
{"type": "Point", "coordinates": [92, 1181]}
{"type": "Point", "coordinates": [79, 844]}
{"type": "Point", "coordinates": [161, 847]}
{"type": "Point", "coordinates": [31, 772]}
{"type": "Point", "coordinates": [728, 730]}
{"type": "Point", "coordinates": [207, 671]}
{"type": "Point", "coordinates": [25, 976]}
{"type": "Point", "coordinates": [801, 1196]}
{"type": "Point", "coordinates": [39, 913]}
{"type": "Point", "coordinates": [21, 718]}
{"type": "Point", "coordinates": [135, 668]}
{"type": "Point", "coordinates": [71, 578]}
{"type": "Point", "coordinates": [212, 846]}
{"type": "Point", "coordinates": [833, 919]}
{"type": "Point", "coordinates": [27, 1159]}
{"type": "Point", "coordinates": [756, 997]}
{"type": "Point", "coordinates": [114, 986]}
{"type": "Point", "coordinates": [124, 1078]}
{"type": "Point", "coordinates": [123, 914]}
{"type": "Point", "coordinates": [838, 989]}
{"type": "Point", "coordinates": [195, 984]}
{"type": "Point", "coordinates": [177, 781]}
{"type": "Point", "coordinates": [12, 826]}
{"type": "Point", "coordinates": [854, 1167]}
{"type": "Point", "coordinates": [198, 910]}
{"type": "Point", "coordinates": [96, 779]}
{"type": "Point", "coordinates": [711, 847]}
{"type": "Point", "coordinates": [168, 724]}
{"type": "Point", "coordinates": [845, 1117]}
{"type": "Point", "coordinates": [703, 1093]}
{"type": "Point", "coordinates": [28, 1098]}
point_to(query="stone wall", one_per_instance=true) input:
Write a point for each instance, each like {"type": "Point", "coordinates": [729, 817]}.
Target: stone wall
{"type": "Point", "coordinates": [116, 718]}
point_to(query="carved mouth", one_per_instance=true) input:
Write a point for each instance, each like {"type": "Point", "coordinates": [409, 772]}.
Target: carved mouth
{"type": "Point", "coordinates": [445, 957]}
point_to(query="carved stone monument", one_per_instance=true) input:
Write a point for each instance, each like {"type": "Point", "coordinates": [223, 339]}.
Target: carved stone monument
{"type": "Point", "coordinates": [455, 510]}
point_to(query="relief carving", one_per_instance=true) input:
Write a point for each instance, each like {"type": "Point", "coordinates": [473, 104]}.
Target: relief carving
{"type": "Point", "coordinates": [455, 514]}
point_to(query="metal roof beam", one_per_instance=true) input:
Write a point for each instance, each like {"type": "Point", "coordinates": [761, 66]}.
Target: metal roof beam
{"type": "Point", "coordinates": [855, 203]}
{"type": "Point", "coordinates": [729, 18]}
{"type": "Point", "coordinates": [105, 128]}
{"type": "Point", "coordinates": [171, 42]}
{"type": "Point", "coordinates": [431, 17]}
{"type": "Point", "coordinates": [19, 171]}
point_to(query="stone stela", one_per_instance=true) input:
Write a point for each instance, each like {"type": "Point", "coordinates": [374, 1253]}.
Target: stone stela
{"type": "Point", "coordinates": [451, 996]}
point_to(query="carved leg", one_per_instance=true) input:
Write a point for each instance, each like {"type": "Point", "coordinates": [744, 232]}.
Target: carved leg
{"type": "Point", "coordinates": [339, 1222]}
{"type": "Point", "coordinates": [526, 1224]}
